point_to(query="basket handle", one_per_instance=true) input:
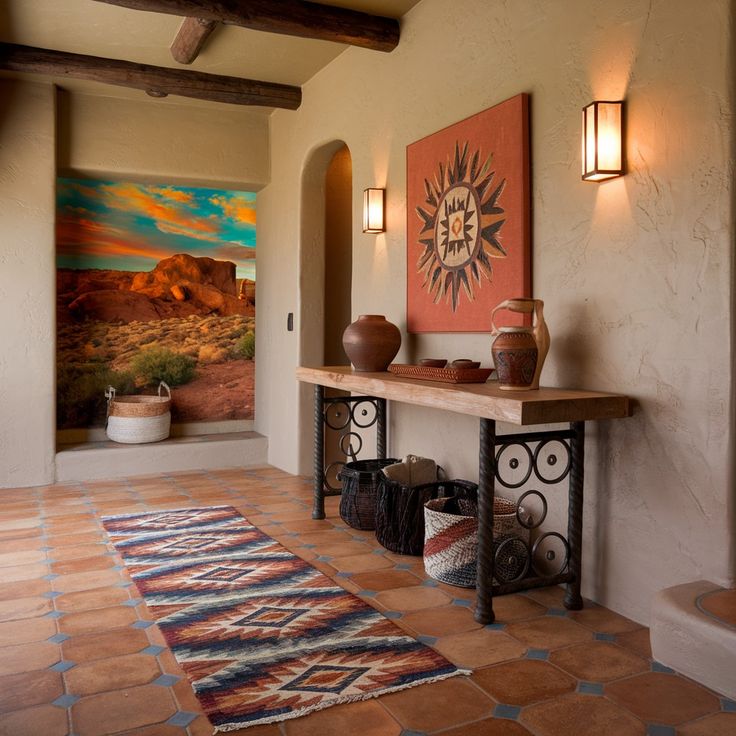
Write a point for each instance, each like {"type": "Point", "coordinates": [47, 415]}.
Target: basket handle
{"type": "Point", "coordinates": [110, 396]}
{"type": "Point", "coordinates": [165, 385]}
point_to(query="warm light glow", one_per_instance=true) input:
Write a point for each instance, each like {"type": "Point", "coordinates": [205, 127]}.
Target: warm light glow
{"type": "Point", "coordinates": [602, 140]}
{"type": "Point", "coordinates": [373, 210]}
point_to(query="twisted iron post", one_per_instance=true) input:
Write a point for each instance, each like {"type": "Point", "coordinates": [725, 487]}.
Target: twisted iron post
{"type": "Point", "coordinates": [486, 491]}
{"type": "Point", "coordinates": [318, 510]}
{"type": "Point", "coordinates": [573, 600]}
{"type": "Point", "coordinates": [381, 429]}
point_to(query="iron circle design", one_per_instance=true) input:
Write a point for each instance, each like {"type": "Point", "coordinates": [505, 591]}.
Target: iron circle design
{"type": "Point", "coordinates": [332, 472]}
{"type": "Point", "coordinates": [516, 564]}
{"type": "Point", "coordinates": [520, 505]}
{"type": "Point", "coordinates": [514, 465]}
{"type": "Point", "coordinates": [361, 409]}
{"type": "Point", "coordinates": [552, 461]}
{"type": "Point", "coordinates": [337, 415]}
{"type": "Point", "coordinates": [346, 444]}
{"type": "Point", "coordinates": [535, 549]}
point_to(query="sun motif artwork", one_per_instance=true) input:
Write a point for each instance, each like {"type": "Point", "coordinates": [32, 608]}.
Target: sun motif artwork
{"type": "Point", "coordinates": [468, 220]}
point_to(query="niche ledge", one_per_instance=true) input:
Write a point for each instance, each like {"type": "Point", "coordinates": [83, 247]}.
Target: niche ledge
{"type": "Point", "coordinates": [690, 639]}
{"type": "Point", "coordinates": [105, 459]}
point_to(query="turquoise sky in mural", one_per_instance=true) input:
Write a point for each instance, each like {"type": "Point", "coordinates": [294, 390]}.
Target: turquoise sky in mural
{"type": "Point", "coordinates": [128, 226]}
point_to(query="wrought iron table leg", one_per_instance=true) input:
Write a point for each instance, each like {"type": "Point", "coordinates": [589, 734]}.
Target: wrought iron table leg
{"type": "Point", "coordinates": [318, 510]}
{"type": "Point", "coordinates": [486, 490]}
{"type": "Point", "coordinates": [573, 599]}
{"type": "Point", "coordinates": [381, 429]}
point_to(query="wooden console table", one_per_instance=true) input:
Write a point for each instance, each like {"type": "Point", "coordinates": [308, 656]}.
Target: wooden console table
{"type": "Point", "coordinates": [490, 404]}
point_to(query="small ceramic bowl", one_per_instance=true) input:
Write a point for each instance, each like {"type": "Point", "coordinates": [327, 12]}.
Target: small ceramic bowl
{"type": "Point", "coordinates": [433, 362]}
{"type": "Point", "coordinates": [465, 363]}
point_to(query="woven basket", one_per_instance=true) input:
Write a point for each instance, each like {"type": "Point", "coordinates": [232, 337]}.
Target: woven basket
{"type": "Point", "coordinates": [451, 541]}
{"type": "Point", "coordinates": [400, 511]}
{"type": "Point", "coordinates": [359, 489]}
{"type": "Point", "coordinates": [138, 419]}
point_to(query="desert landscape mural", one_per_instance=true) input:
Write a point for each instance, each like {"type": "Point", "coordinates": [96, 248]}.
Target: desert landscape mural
{"type": "Point", "coordinates": [155, 282]}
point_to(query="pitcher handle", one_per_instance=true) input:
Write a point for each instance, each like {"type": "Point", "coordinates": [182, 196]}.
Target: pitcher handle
{"type": "Point", "coordinates": [520, 305]}
{"type": "Point", "coordinates": [503, 305]}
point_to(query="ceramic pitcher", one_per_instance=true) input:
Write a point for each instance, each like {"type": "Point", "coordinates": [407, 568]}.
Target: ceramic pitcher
{"type": "Point", "coordinates": [521, 350]}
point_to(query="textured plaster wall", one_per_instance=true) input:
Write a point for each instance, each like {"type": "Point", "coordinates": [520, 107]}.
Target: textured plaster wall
{"type": "Point", "coordinates": [27, 284]}
{"type": "Point", "coordinates": [226, 146]}
{"type": "Point", "coordinates": [97, 136]}
{"type": "Point", "coordinates": [635, 273]}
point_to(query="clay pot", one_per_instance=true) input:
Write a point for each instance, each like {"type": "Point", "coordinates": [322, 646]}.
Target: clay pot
{"type": "Point", "coordinates": [466, 363]}
{"type": "Point", "coordinates": [515, 357]}
{"type": "Point", "coordinates": [371, 342]}
{"type": "Point", "coordinates": [433, 362]}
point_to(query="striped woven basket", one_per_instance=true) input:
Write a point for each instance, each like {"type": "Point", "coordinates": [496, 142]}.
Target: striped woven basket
{"type": "Point", "coordinates": [451, 540]}
{"type": "Point", "coordinates": [138, 419]}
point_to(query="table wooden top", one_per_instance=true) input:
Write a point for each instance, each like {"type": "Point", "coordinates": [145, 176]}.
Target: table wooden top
{"type": "Point", "coordinates": [543, 406]}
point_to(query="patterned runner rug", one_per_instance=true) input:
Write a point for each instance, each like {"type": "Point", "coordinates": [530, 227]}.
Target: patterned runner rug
{"type": "Point", "coordinates": [261, 634]}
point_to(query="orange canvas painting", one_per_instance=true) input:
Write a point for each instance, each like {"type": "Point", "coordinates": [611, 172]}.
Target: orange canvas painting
{"type": "Point", "coordinates": [468, 220]}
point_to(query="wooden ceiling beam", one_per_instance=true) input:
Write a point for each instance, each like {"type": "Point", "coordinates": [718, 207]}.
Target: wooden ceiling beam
{"type": "Point", "coordinates": [157, 81]}
{"type": "Point", "coordinates": [191, 37]}
{"type": "Point", "coordinates": [290, 17]}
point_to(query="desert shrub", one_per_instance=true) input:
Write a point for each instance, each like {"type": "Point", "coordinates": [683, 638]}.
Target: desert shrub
{"type": "Point", "coordinates": [246, 346]}
{"type": "Point", "coordinates": [80, 392]}
{"type": "Point", "coordinates": [212, 354]}
{"type": "Point", "coordinates": [158, 364]}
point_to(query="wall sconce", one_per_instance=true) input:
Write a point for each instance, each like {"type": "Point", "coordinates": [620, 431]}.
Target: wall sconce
{"type": "Point", "coordinates": [603, 153]}
{"type": "Point", "coordinates": [374, 201]}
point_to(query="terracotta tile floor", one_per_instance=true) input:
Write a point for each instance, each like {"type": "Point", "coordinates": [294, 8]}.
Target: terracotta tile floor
{"type": "Point", "coordinates": [80, 653]}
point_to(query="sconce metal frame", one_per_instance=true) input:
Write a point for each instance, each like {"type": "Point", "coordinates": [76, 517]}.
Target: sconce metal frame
{"type": "Point", "coordinates": [598, 164]}
{"type": "Point", "coordinates": [374, 210]}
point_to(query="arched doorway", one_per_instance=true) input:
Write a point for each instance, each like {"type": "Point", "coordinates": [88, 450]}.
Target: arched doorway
{"type": "Point", "coordinates": [325, 272]}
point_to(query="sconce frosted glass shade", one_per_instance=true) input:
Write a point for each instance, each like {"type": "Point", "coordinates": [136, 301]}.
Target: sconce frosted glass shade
{"type": "Point", "coordinates": [374, 201]}
{"type": "Point", "coordinates": [603, 153]}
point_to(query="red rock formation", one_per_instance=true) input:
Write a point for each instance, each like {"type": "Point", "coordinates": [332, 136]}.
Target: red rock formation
{"type": "Point", "coordinates": [247, 291]}
{"type": "Point", "coordinates": [185, 268]}
{"type": "Point", "coordinates": [110, 305]}
{"type": "Point", "coordinates": [79, 281]}
{"type": "Point", "coordinates": [177, 287]}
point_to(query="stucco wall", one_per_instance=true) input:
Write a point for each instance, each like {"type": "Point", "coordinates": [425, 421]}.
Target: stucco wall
{"type": "Point", "coordinates": [27, 284]}
{"type": "Point", "coordinates": [635, 272]}
{"type": "Point", "coordinates": [98, 136]}
{"type": "Point", "coordinates": [224, 146]}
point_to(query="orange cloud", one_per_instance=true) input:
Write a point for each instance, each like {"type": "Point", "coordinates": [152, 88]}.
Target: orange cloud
{"type": "Point", "coordinates": [236, 209]}
{"type": "Point", "coordinates": [166, 227]}
{"type": "Point", "coordinates": [234, 252]}
{"type": "Point", "coordinates": [84, 190]}
{"type": "Point", "coordinates": [129, 197]}
{"type": "Point", "coordinates": [176, 194]}
{"type": "Point", "coordinates": [80, 237]}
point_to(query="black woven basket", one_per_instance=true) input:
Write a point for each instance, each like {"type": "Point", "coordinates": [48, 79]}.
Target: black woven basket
{"type": "Point", "coordinates": [359, 489]}
{"type": "Point", "coordinates": [400, 511]}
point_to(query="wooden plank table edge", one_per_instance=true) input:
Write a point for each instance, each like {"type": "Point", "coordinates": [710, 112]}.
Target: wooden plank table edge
{"type": "Point", "coordinates": [542, 406]}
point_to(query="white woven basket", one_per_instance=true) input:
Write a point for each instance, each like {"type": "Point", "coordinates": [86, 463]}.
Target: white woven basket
{"type": "Point", "coordinates": [135, 420]}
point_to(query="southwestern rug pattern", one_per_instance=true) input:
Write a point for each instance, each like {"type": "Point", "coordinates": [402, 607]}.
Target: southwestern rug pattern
{"type": "Point", "coordinates": [262, 635]}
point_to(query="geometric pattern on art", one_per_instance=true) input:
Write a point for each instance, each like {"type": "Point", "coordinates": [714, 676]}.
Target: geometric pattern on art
{"type": "Point", "coordinates": [468, 219]}
{"type": "Point", "coordinates": [261, 634]}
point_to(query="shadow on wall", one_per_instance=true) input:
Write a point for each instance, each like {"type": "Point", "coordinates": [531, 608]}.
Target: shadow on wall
{"type": "Point", "coordinates": [8, 94]}
{"type": "Point", "coordinates": [731, 502]}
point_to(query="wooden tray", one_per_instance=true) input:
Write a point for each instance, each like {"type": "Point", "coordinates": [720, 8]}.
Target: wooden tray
{"type": "Point", "coordinates": [445, 375]}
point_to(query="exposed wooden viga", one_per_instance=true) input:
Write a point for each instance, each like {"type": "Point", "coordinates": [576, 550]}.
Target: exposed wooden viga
{"type": "Point", "coordinates": [190, 39]}
{"type": "Point", "coordinates": [290, 17]}
{"type": "Point", "coordinates": [157, 81]}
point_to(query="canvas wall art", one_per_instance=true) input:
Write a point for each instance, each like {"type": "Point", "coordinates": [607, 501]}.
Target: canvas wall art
{"type": "Point", "coordinates": [155, 282]}
{"type": "Point", "coordinates": [468, 220]}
